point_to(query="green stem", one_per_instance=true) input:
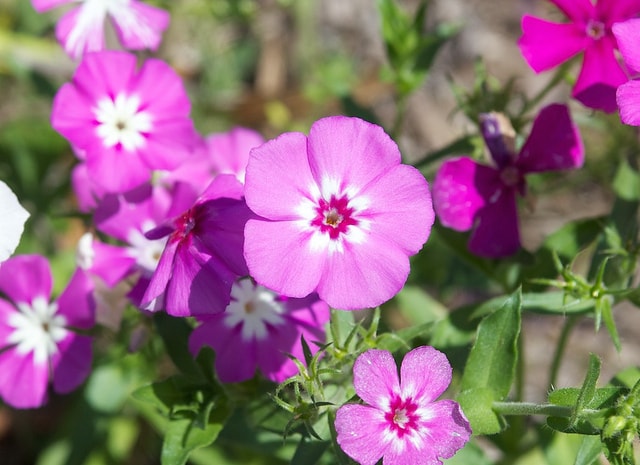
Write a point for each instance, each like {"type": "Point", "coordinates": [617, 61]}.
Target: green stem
{"type": "Point", "coordinates": [529, 408]}
{"type": "Point", "coordinates": [568, 326]}
{"type": "Point", "coordinates": [557, 77]}
{"type": "Point", "coordinates": [401, 107]}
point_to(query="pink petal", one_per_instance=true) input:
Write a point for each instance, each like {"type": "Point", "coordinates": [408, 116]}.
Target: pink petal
{"type": "Point", "coordinates": [229, 151]}
{"type": "Point", "coordinates": [6, 310]}
{"type": "Point", "coordinates": [161, 91]}
{"type": "Point", "coordinates": [545, 45]}
{"type": "Point", "coordinates": [424, 375]}
{"type": "Point", "coordinates": [360, 430]}
{"type": "Point", "coordinates": [168, 145]}
{"type": "Point", "coordinates": [139, 26]}
{"type": "Point", "coordinates": [287, 265]}
{"type": "Point", "coordinates": [162, 274]}
{"type": "Point", "coordinates": [104, 165]}
{"type": "Point", "coordinates": [24, 277]}
{"type": "Point", "coordinates": [628, 98]}
{"type": "Point", "coordinates": [23, 384]}
{"type": "Point", "coordinates": [496, 232]}
{"type": "Point", "coordinates": [600, 76]}
{"type": "Point", "coordinates": [627, 35]}
{"type": "Point", "coordinates": [617, 10]}
{"type": "Point", "coordinates": [83, 188]}
{"type": "Point", "coordinates": [448, 429]}
{"type": "Point", "coordinates": [270, 352]}
{"type": "Point", "coordinates": [76, 302]}
{"type": "Point", "coordinates": [364, 275]}
{"type": "Point", "coordinates": [278, 177]}
{"type": "Point", "coordinates": [72, 117]}
{"type": "Point", "coordinates": [576, 10]}
{"type": "Point", "coordinates": [375, 378]}
{"type": "Point", "coordinates": [553, 144]}
{"type": "Point", "coordinates": [72, 364]}
{"type": "Point", "coordinates": [460, 189]}
{"type": "Point", "coordinates": [106, 73]}
{"type": "Point", "coordinates": [43, 5]}
{"type": "Point", "coordinates": [371, 152]}
{"type": "Point", "coordinates": [81, 31]}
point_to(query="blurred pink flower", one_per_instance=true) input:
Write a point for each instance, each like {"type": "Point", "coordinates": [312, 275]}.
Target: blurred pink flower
{"type": "Point", "coordinates": [339, 214]}
{"type": "Point", "coordinates": [257, 329]}
{"type": "Point", "coordinates": [546, 44]}
{"type": "Point", "coordinates": [37, 342]}
{"type": "Point", "coordinates": [627, 34]}
{"type": "Point", "coordinates": [81, 30]}
{"type": "Point", "coordinates": [12, 223]}
{"type": "Point", "coordinates": [124, 122]}
{"type": "Point", "coordinates": [469, 195]}
{"type": "Point", "coordinates": [403, 423]}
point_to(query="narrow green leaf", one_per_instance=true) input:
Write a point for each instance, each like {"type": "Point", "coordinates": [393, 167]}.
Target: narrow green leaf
{"type": "Point", "coordinates": [493, 357]}
{"type": "Point", "coordinates": [609, 322]}
{"type": "Point", "coordinates": [588, 390]}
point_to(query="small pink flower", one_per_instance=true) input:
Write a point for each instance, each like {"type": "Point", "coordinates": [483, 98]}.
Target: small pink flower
{"type": "Point", "coordinates": [339, 214]}
{"type": "Point", "coordinates": [469, 195]}
{"type": "Point", "coordinates": [627, 34]}
{"type": "Point", "coordinates": [81, 30]}
{"type": "Point", "coordinates": [13, 217]}
{"type": "Point", "coordinates": [546, 44]}
{"type": "Point", "coordinates": [257, 329]}
{"type": "Point", "coordinates": [124, 122]}
{"type": "Point", "coordinates": [38, 342]}
{"type": "Point", "coordinates": [403, 423]}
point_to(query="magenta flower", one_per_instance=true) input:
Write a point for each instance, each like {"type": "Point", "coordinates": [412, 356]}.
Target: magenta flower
{"type": "Point", "coordinates": [545, 45]}
{"type": "Point", "coordinates": [124, 122]}
{"type": "Point", "coordinates": [81, 30]}
{"type": "Point", "coordinates": [257, 329]}
{"type": "Point", "coordinates": [470, 196]}
{"type": "Point", "coordinates": [340, 214]}
{"type": "Point", "coordinates": [628, 94]}
{"type": "Point", "coordinates": [403, 424]}
{"type": "Point", "coordinates": [203, 254]}
{"type": "Point", "coordinates": [38, 342]}
{"type": "Point", "coordinates": [12, 224]}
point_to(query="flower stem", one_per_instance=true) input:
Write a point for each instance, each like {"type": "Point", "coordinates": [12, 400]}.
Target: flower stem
{"type": "Point", "coordinates": [568, 326]}
{"type": "Point", "coordinates": [530, 408]}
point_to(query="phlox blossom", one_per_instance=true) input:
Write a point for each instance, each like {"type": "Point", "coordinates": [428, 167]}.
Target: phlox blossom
{"type": "Point", "coordinates": [402, 423]}
{"type": "Point", "coordinates": [12, 223]}
{"type": "Point", "coordinates": [124, 122]}
{"type": "Point", "coordinates": [338, 214]}
{"type": "Point", "coordinates": [203, 254]}
{"type": "Point", "coordinates": [257, 330]}
{"type": "Point", "coordinates": [546, 44]}
{"type": "Point", "coordinates": [81, 30]}
{"type": "Point", "coordinates": [38, 342]}
{"type": "Point", "coordinates": [468, 195]}
{"type": "Point", "coordinates": [628, 94]}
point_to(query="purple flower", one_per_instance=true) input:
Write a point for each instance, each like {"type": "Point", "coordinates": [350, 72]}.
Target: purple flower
{"type": "Point", "coordinates": [546, 44]}
{"type": "Point", "coordinates": [469, 195]}
{"type": "Point", "coordinates": [37, 342]}
{"type": "Point", "coordinates": [340, 215]}
{"type": "Point", "coordinates": [628, 95]}
{"type": "Point", "coordinates": [403, 424]}
{"type": "Point", "coordinates": [81, 30]}
{"type": "Point", "coordinates": [257, 329]}
{"type": "Point", "coordinates": [203, 254]}
{"type": "Point", "coordinates": [12, 224]}
{"type": "Point", "coordinates": [124, 122]}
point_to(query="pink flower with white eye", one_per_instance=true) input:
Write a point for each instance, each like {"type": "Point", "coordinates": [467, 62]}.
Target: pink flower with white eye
{"type": "Point", "coordinates": [81, 30]}
{"type": "Point", "coordinates": [257, 330]}
{"type": "Point", "coordinates": [339, 214]}
{"type": "Point", "coordinates": [402, 423]}
{"type": "Point", "coordinates": [125, 122]}
{"type": "Point", "coordinates": [38, 342]}
{"type": "Point", "coordinates": [12, 224]}
{"type": "Point", "coordinates": [546, 44]}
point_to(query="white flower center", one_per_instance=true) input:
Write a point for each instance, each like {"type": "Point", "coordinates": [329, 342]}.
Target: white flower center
{"type": "Point", "coordinates": [255, 308]}
{"type": "Point", "coordinates": [121, 122]}
{"type": "Point", "coordinates": [145, 251]}
{"type": "Point", "coordinates": [37, 329]}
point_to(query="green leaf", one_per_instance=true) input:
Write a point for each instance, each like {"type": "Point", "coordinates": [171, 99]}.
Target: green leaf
{"type": "Point", "coordinates": [175, 334]}
{"type": "Point", "coordinates": [609, 322]}
{"type": "Point", "coordinates": [309, 452]}
{"type": "Point", "coordinates": [402, 338]}
{"type": "Point", "coordinates": [588, 390]}
{"type": "Point", "coordinates": [493, 357]}
{"type": "Point", "coordinates": [477, 406]}
{"type": "Point", "coordinates": [589, 452]}
{"type": "Point", "coordinates": [626, 182]}
{"type": "Point", "coordinates": [417, 306]}
{"type": "Point", "coordinates": [602, 397]}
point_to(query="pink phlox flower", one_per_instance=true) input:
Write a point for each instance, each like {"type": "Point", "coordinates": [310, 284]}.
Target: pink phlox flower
{"type": "Point", "coordinates": [402, 423]}
{"type": "Point", "coordinates": [38, 339]}
{"type": "Point", "coordinates": [124, 122]}
{"type": "Point", "coordinates": [627, 34]}
{"type": "Point", "coordinates": [546, 44]}
{"type": "Point", "coordinates": [338, 214]}
{"type": "Point", "coordinates": [471, 196]}
{"type": "Point", "coordinates": [13, 216]}
{"type": "Point", "coordinates": [81, 30]}
{"type": "Point", "coordinates": [203, 255]}
{"type": "Point", "coordinates": [257, 330]}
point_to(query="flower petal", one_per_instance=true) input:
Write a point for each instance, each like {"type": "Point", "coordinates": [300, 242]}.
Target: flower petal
{"type": "Point", "coordinates": [76, 302]}
{"type": "Point", "coordinates": [617, 10]}
{"type": "Point", "coordinates": [496, 233]}
{"type": "Point", "coordinates": [577, 11]}
{"type": "Point", "coordinates": [627, 35]}
{"type": "Point", "coordinates": [424, 375]}
{"type": "Point", "coordinates": [81, 30]}
{"type": "Point", "coordinates": [23, 383]}
{"type": "Point", "coordinates": [448, 428]}
{"type": "Point", "coordinates": [24, 277]}
{"type": "Point", "coordinates": [139, 26]}
{"type": "Point", "coordinates": [628, 98]}
{"type": "Point", "coordinates": [43, 5]}
{"type": "Point", "coordinates": [13, 217]}
{"type": "Point", "coordinates": [360, 431]}
{"type": "Point", "coordinates": [72, 364]}
{"type": "Point", "coordinates": [229, 151]}
{"type": "Point", "coordinates": [375, 378]}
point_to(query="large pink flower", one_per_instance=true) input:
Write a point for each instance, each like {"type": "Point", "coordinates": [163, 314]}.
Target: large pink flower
{"type": "Point", "coordinates": [628, 95]}
{"type": "Point", "coordinates": [257, 330]}
{"type": "Point", "coordinates": [37, 342]}
{"type": "Point", "coordinates": [81, 30]}
{"type": "Point", "coordinates": [469, 195]}
{"type": "Point", "coordinates": [403, 423]}
{"type": "Point", "coordinates": [122, 121]}
{"type": "Point", "coordinates": [340, 215]}
{"type": "Point", "coordinates": [546, 44]}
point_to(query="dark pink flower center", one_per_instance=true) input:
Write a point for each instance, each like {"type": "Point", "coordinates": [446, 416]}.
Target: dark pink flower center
{"type": "Point", "coordinates": [334, 217]}
{"type": "Point", "coordinates": [595, 29]}
{"type": "Point", "coordinates": [511, 176]}
{"type": "Point", "coordinates": [402, 417]}
{"type": "Point", "coordinates": [184, 225]}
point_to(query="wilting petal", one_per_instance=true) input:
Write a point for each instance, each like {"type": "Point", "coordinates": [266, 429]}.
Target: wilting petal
{"type": "Point", "coordinates": [545, 45]}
